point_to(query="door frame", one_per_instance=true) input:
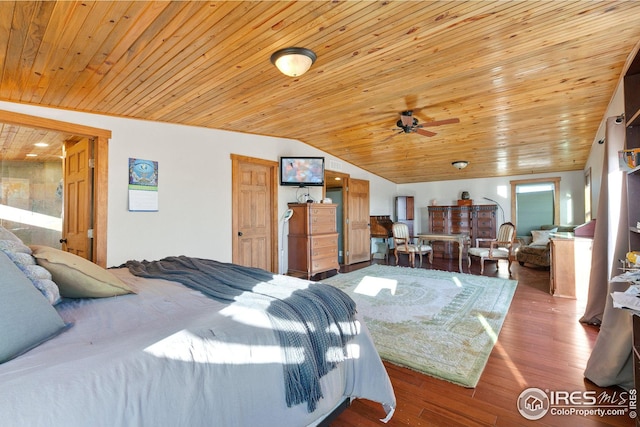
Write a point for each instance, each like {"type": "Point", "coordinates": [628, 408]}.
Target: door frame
{"type": "Point", "coordinates": [101, 139]}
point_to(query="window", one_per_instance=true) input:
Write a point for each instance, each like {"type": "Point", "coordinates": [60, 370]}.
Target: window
{"type": "Point", "coordinates": [535, 202]}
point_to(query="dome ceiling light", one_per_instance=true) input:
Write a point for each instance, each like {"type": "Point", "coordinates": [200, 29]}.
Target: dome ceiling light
{"type": "Point", "coordinates": [293, 61]}
{"type": "Point", "coordinates": [460, 164]}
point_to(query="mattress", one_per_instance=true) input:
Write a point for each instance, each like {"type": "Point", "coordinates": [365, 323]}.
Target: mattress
{"type": "Point", "coordinates": [170, 356]}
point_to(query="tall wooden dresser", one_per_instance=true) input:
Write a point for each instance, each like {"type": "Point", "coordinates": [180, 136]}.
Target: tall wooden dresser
{"type": "Point", "coordinates": [313, 239]}
{"type": "Point", "coordinates": [478, 221]}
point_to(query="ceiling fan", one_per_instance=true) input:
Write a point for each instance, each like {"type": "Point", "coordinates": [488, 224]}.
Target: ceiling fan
{"type": "Point", "coordinates": [409, 124]}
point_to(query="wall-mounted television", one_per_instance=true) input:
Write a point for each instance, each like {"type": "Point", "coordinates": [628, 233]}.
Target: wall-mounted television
{"type": "Point", "coordinates": [302, 171]}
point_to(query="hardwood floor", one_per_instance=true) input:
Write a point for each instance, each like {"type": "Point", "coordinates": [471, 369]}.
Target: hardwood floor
{"type": "Point", "coordinates": [541, 344]}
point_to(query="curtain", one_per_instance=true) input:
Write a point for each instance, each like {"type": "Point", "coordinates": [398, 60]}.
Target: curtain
{"type": "Point", "coordinates": [611, 360]}
{"type": "Point", "coordinates": [611, 239]}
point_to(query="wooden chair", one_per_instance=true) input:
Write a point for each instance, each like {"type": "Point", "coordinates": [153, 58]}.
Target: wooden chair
{"type": "Point", "coordinates": [501, 247]}
{"type": "Point", "coordinates": [403, 244]}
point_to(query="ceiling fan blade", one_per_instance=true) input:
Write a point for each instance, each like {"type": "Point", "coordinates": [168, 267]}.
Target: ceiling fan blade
{"type": "Point", "coordinates": [442, 122]}
{"type": "Point", "coordinates": [425, 132]}
{"type": "Point", "coordinates": [411, 101]}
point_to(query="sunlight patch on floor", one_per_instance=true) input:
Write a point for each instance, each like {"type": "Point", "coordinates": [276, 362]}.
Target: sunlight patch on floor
{"type": "Point", "coordinates": [487, 327]}
{"type": "Point", "coordinates": [371, 286]}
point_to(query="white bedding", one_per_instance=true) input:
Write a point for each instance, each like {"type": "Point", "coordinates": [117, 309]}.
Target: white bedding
{"type": "Point", "coordinates": [169, 356]}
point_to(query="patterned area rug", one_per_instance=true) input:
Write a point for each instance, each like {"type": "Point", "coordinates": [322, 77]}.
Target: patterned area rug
{"type": "Point", "coordinates": [441, 323]}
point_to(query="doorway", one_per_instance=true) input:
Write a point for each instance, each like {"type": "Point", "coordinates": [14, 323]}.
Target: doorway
{"type": "Point", "coordinates": [336, 185]}
{"type": "Point", "coordinates": [97, 211]}
{"type": "Point", "coordinates": [352, 197]}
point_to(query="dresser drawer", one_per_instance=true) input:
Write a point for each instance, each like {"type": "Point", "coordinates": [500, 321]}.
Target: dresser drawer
{"type": "Point", "coordinates": [460, 225]}
{"type": "Point", "coordinates": [318, 242]}
{"type": "Point", "coordinates": [324, 251]}
{"type": "Point", "coordinates": [457, 215]}
{"type": "Point", "coordinates": [439, 221]}
{"type": "Point", "coordinates": [485, 214]}
{"type": "Point", "coordinates": [324, 264]}
{"type": "Point", "coordinates": [441, 215]}
{"type": "Point", "coordinates": [484, 234]}
{"type": "Point", "coordinates": [323, 223]}
{"type": "Point", "coordinates": [441, 229]}
{"type": "Point", "coordinates": [485, 223]}
{"type": "Point", "coordinates": [320, 211]}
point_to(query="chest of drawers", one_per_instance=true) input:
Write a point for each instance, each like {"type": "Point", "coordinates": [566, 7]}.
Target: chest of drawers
{"type": "Point", "coordinates": [313, 239]}
{"type": "Point", "coordinates": [477, 221]}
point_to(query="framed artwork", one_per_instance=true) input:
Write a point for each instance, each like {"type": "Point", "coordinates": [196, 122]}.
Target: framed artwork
{"type": "Point", "coordinates": [143, 185]}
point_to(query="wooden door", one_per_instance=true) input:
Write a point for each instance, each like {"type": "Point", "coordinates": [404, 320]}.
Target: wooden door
{"type": "Point", "coordinates": [77, 212]}
{"type": "Point", "coordinates": [254, 215]}
{"type": "Point", "coordinates": [359, 235]}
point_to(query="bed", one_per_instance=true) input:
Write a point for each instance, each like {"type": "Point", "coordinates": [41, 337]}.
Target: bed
{"type": "Point", "coordinates": [160, 353]}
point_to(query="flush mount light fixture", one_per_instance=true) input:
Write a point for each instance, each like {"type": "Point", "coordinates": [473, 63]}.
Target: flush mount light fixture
{"type": "Point", "coordinates": [460, 164]}
{"type": "Point", "coordinates": [293, 61]}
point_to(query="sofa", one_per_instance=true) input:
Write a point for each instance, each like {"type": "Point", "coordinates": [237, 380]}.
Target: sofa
{"type": "Point", "coordinates": [535, 249]}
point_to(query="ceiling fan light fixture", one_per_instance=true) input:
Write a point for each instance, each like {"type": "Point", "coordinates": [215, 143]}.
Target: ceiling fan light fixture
{"type": "Point", "coordinates": [293, 61]}
{"type": "Point", "coordinates": [460, 164]}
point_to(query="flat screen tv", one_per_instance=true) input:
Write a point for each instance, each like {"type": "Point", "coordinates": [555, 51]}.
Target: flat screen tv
{"type": "Point", "coordinates": [302, 171]}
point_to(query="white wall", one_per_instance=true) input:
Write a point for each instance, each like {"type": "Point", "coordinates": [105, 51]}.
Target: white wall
{"type": "Point", "coordinates": [596, 156]}
{"type": "Point", "coordinates": [194, 184]}
{"type": "Point", "coordinates": [194, 215]}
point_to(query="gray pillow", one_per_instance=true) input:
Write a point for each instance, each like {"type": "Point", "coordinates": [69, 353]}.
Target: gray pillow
{"type": "Point", "coordinates": [7, 235]}
{"type": "Point", "coordinates": [26, 317]}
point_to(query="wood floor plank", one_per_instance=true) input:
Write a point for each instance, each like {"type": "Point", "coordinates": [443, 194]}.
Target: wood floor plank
{"type": "Point", "coordinates": [542, 344]}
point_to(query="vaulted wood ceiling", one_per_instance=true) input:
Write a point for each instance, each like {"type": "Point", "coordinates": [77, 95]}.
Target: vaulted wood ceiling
{"type": "Point", "coordinates": [530, 81]}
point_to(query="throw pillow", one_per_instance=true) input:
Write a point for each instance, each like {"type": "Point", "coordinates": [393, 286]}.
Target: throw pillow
{"type": "Point", "coordinates": [8, 235]}
{"type": "Point", "coordinates": [541, 237]}
{"type": "Point", "coordinates": [20, 254]}
{"type": "Point", "coordinates": [14, 246]}
{"type": "Point", "coordinates": [77, 277]}
{"type": "Point", "coordinates": [26, 318]}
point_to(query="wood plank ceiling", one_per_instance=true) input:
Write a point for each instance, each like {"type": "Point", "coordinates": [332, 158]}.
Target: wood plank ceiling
{"type": "Point", "coordinates": [530, 81]}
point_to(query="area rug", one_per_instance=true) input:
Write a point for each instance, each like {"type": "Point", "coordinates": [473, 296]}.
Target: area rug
{"type": "Point", "coordinates": [440, 323]}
